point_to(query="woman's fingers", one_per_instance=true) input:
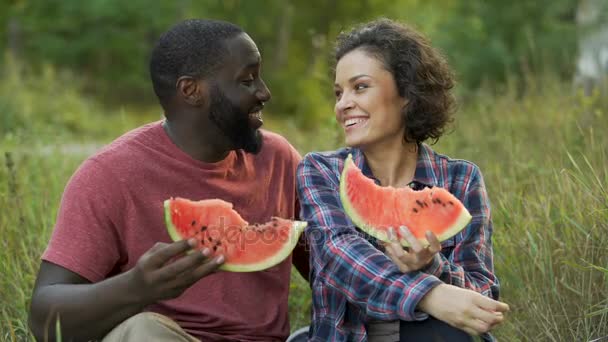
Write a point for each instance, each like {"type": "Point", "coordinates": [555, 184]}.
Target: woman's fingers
{"type": "Point", "coordinates": [415, 245]}
{"type": "Point", "coordinates": [489, 317]}
{"type": "Point", "coordinates": [490, 304]}
{"type": "Point", "coordinates": [434, 244]}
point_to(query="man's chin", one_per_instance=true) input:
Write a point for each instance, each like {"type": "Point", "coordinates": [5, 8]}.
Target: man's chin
{"type": "Point", "coordinates": [254, 145]}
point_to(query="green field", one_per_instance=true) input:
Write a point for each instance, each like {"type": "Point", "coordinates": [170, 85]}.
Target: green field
{"type": "Point", "coordinates": [543, 153]}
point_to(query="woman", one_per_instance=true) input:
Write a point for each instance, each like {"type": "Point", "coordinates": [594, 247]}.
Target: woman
{"type": "Point", "coordinates": [392, 94]}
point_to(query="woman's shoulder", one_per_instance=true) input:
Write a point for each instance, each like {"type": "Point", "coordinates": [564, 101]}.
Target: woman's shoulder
{"type": "Point", "coordinates": [456, 170]}
{"type": "Point", "coordinates": [329, 164]}
{"type": "Point", "coordinates": [335, 157]}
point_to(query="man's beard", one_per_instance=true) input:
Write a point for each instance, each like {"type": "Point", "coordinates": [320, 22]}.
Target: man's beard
{"type": "Point", "coordinates": [234, 123]}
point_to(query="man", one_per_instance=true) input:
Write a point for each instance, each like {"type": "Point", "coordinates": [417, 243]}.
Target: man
{"type": "Point", "coordinates": [109, 271]}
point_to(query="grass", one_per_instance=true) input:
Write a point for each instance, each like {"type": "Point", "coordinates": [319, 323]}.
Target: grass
{"type": "Point", "coordinates": [543, 155]}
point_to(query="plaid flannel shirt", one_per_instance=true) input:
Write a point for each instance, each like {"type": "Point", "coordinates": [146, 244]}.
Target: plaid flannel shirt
{"type": "Point", "coordinates": [353, 281]}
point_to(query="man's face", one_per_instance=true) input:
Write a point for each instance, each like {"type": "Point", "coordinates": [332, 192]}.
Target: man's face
{"type": "Point", "coordinates": [238, 95]}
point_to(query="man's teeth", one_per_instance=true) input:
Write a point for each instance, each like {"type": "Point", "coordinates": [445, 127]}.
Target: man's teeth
{"type": "Point", "coordinates": [354, 121]}
{"type": "Point", "coordinates": [256, 115]}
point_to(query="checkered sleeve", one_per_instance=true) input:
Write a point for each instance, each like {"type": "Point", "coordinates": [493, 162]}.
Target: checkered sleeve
{"type": "Point", "coordinates": [470, 265]}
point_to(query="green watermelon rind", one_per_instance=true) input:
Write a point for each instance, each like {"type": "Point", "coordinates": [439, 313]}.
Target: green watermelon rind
{"type": "Point", "coordinates": [461, 222]}
{"type": "Point", "coordinates": [297, 228]}
{"type": "Point", "coordinates": [169, 224]}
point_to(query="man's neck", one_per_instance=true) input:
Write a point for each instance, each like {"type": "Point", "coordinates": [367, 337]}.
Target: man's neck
{"type": "Point", "coordinates": [204, 146]}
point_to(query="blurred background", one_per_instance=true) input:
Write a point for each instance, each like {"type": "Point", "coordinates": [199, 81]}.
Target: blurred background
{"type": "Point", "coordinates": [531, 88]}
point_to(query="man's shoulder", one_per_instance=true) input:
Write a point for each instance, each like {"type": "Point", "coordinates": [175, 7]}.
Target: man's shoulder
{"type": "Point", "coordinates": [278, 145]}
{"type": "Point", "coordinates": [274, 139]}
{"type": "Point", "coordinates": [123, 148]}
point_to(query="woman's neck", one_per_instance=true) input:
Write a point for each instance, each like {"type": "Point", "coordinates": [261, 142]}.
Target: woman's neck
{"type": "Point", "coordinates": [393, 165]}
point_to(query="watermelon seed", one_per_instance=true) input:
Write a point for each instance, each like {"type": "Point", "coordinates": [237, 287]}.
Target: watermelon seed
{"type": "Point", "coordinates": [210, 239]}
{"type": "Point", "coordinates": [193, 222]}
{"type": "Point", "coordinates": [451, 203]}
{"type": "Point", "coordinates": [419, 203]}
{"type": "Point", "coordinates": [415, 210]}
{"type": "Point", "coordinates": [214, 248]}
{"type": "Point", "coordinates": [203, 228]}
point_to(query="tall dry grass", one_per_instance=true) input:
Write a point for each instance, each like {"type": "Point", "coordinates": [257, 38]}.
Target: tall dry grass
{"type": "Point", "coordinates": [543, 154]}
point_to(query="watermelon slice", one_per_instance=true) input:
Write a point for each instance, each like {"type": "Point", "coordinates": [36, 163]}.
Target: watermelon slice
{"type": "Point", "coordinates": [217, 226]}
{"type": "Point", "coordinates": [375, 209]}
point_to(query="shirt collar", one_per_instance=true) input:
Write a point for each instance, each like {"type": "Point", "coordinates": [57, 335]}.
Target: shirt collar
{"type": "Point", "coordinates": [424, 175]}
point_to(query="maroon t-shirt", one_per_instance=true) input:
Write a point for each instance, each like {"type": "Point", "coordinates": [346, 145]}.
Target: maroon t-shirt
{"type": "Point", "coordinates": [112, 212]}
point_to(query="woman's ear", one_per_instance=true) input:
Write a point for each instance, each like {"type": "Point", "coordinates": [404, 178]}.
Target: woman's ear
{"type": "Point", "coordinates": [192, 91]}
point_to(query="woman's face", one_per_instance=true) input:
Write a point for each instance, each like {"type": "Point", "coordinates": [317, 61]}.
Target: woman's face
{"type": "Point", "coordinates": [368, 106]}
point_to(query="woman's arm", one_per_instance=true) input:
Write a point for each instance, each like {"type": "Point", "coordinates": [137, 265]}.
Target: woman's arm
{"type": "Point", "coordinates": [344, 260]}
{"type": "Point", "coordinates": [469, 263]}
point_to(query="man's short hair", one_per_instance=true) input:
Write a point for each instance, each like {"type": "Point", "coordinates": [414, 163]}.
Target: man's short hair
{"type": "Point", "coordinates": [193, 47]}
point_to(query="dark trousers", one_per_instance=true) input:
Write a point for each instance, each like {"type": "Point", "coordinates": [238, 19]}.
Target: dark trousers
{"type": "Point", "coordinates": [431, 330]}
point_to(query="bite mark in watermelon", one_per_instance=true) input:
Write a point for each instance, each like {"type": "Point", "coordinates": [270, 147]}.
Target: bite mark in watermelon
{"type": "Point", "coordinates": [216, 225]}
{"type": "Point", "coordinates": [375, 209]}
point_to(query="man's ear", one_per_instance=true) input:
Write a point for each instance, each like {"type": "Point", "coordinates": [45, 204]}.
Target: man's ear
{"type": "Point", "coordinates": [192, 91]}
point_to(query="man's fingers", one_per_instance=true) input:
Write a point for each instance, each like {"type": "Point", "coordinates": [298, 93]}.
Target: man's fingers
{"type": "Point", "coordinates": [205, 269]}
{"type": "Point", "coordinates": [434, 244]}
{"type": "Point", "coordinates": [411, 239]}
{"type": "Point", "coordinates": [164, 254]}
{"type": "Point", "coordinates": [489, 304]}
{"type": "Point", "coordinates": [188, 262]}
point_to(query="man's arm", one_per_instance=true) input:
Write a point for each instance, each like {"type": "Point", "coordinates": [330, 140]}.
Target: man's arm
{"type": "Point", "coordinates": [85, 310]}
{"type": "Point", "coordinates": [90, 310]}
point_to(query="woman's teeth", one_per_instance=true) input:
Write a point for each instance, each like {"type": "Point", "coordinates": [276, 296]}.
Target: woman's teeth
{"type": "Point", "coordinates": [353, 121]}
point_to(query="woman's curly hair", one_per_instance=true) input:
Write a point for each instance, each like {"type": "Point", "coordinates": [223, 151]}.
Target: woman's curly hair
{"type": "Point", "coordinates": [421, 73]}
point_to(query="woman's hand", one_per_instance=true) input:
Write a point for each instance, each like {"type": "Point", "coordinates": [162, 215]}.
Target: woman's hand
{"type": "Point", "coordinates": [463, 309]}
{"type": "Point", "coordinates": [417, 256]}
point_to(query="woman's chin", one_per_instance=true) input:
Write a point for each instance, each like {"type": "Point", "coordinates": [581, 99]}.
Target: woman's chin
{"type": "Point", "coordinates": [356, 143]}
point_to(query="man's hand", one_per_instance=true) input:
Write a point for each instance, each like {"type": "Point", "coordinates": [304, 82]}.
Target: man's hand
{"type": "Point", "coordinates": [165, 270]}
{"type": "Point", "coordinates": [417, 256]}
{"type": "Point", "coordinates": [463, 309]}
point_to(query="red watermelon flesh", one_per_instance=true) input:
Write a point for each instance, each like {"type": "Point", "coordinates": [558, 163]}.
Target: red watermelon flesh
{"type": "Point", "coordinates": [217, 226]}
{"type": "Point", "coordinates": [375, 209]}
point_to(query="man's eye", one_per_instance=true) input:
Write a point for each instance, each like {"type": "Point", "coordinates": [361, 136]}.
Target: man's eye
{"type": "Point", "coordinates": [337, 93]}
{"type": "Point", "coordinates": [248, 80]}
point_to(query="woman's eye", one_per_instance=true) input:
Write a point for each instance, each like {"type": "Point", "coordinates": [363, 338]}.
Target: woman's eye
{"type": "Point", "coordinates": [360, 86]}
